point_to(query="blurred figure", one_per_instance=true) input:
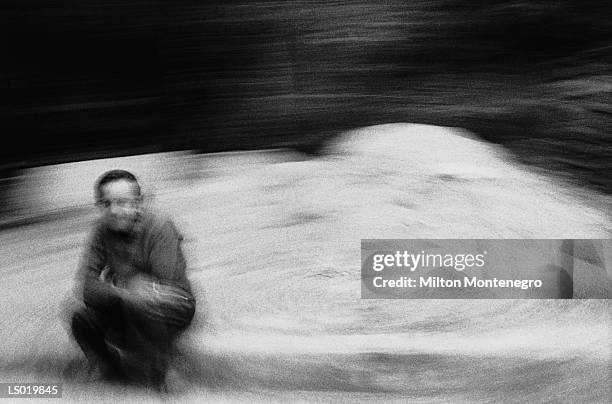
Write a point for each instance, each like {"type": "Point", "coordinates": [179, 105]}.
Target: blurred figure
{"type": "Point", "coordinates": [137, 298]}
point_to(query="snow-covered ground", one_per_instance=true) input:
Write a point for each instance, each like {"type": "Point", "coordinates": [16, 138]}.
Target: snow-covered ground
{"type": "Point", "coordinates": [273, 243]}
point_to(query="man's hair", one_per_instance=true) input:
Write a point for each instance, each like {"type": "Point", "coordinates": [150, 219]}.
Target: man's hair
{"type": "Point", "coordinates": [114, 175]}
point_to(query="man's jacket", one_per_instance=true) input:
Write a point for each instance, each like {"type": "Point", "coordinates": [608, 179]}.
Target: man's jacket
{"type": "Point", "coordinates": [153, 249]}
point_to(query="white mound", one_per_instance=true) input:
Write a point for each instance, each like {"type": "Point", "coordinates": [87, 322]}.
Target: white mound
{"type": "Point", "coordinates": [441, 182]}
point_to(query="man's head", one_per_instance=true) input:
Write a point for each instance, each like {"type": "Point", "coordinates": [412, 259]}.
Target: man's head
{"type": "Point", "coordinates": [119, 198]}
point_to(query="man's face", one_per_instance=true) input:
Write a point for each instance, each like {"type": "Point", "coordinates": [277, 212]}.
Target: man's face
{"type": "Point", "coordinates": [120, 204]}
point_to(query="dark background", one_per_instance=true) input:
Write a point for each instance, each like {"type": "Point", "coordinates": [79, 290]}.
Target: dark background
{"type": "Point", "coordinates": [87, 79]}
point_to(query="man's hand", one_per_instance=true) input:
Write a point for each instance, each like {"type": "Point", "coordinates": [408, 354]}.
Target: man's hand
{"type": "Point", "coordinates": [138, 291]}
{"type": "Point", "coordinates": [159, 300]}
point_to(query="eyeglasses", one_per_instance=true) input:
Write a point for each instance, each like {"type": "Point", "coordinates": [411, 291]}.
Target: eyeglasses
{"type": "Point", "coordinates": [120, 202]}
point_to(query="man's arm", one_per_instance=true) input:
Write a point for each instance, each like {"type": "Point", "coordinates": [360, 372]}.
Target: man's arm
{"type": "Point", "coordinates": [95, 292]}
{"type": "Point", "coordinates": [168, 298]}
{"type": "Point", "coordinates": [166, 256]}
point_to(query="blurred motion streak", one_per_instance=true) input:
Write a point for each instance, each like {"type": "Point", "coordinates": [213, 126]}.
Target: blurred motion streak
{"type": "Point", "coordinates": [240, 116]}
{"type": "Point", "coordinates": [105, 79]}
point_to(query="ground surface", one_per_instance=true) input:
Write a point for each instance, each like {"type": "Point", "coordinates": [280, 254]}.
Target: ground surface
{"type": "Point", "coordinates": [274, 254]}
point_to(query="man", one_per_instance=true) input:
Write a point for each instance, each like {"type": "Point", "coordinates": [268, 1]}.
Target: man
{"type": "Point", "coordinates": [137, 298]}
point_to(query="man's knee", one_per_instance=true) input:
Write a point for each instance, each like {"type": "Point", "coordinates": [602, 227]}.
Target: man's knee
{"type": "Point", "coordinates": [86, 323]}
{"type": "Point", "coordinates": [79, 322]}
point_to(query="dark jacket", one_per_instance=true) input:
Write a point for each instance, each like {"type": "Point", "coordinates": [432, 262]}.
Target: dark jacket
{"type": "Point", "coordinates": [152, 248]}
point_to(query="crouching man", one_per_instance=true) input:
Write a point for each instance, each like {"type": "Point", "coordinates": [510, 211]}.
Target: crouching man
{"type": "Point", "coordinates": [132, 281]}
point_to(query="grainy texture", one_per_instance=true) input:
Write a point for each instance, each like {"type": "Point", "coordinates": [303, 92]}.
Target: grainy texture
{"type": "Point", "coordinates": [274, 261]}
